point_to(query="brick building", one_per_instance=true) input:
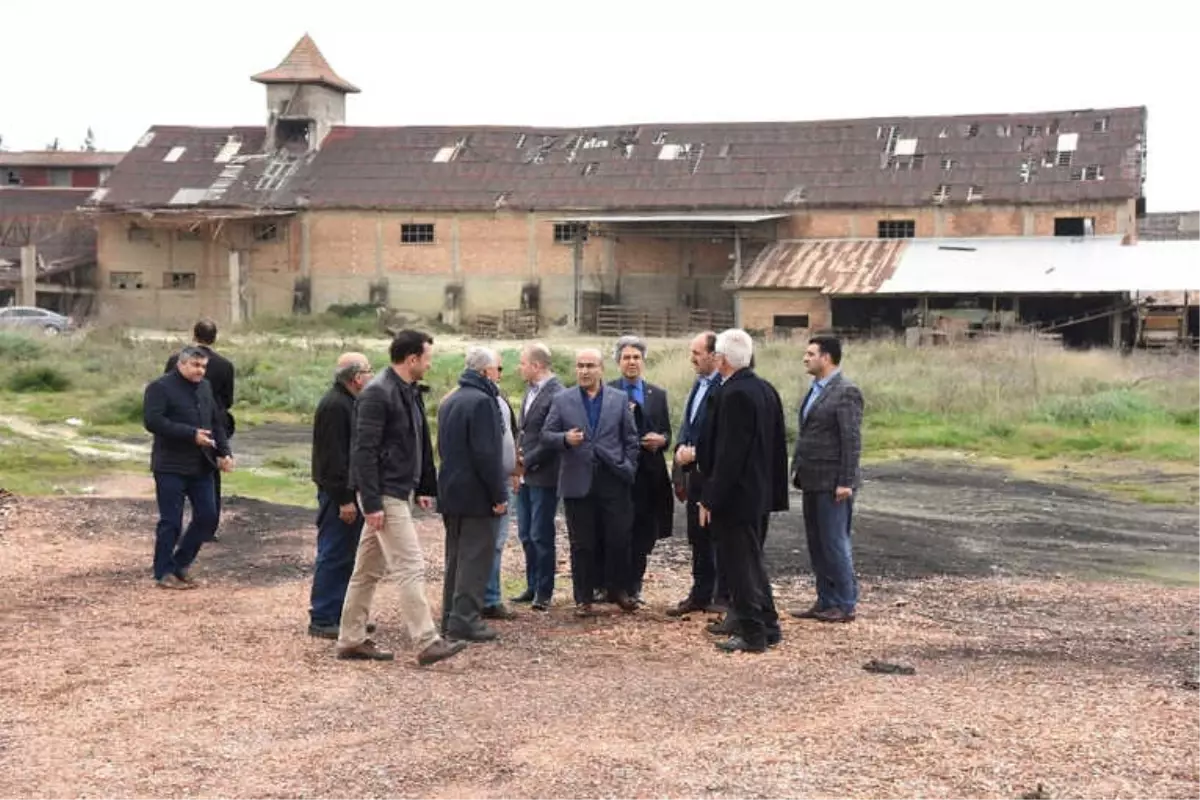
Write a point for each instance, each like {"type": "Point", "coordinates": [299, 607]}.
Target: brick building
{"type": "Point", "coordinates": [307, 211]}
{"type": "Point", "coordinates": [60, 169]}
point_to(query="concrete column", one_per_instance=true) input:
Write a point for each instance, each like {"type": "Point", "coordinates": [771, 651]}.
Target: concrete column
{"type": "Point", "coordinates": [29, 275]}
{"type": "Point", "coordinates": [1027, 226]}
{"type": "Point", "coordinates": [379, 246]}
{"type": "Point", "coordinates": [455, 253]}
{"type": "Point", "coordinates": [235, 288]}
{"type": "Point", "coordinates": [939, 223]}
{"type": "Point", "coordinates": [531, 245]}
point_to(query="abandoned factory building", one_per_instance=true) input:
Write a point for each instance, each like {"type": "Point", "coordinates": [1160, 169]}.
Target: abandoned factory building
{"type": "Point", "coordinates": [307, 211]}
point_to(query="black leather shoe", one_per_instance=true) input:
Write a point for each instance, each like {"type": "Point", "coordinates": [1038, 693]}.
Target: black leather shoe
{"type": "Point", "coordinates": [478, 635]}
{"type": "Point", "coordinates": [541, 604]}
{"type": "Point", "coordinates": [684, 607]}
{"type": "Point", "coordinates": [723, 627]}
{"type": "Point", "coordinates": [736, 644]}
{"type": "Point", "coordinates": [323, 631]}
{"type": "Point", "coordinates": [498, 611]}
{"type": "Point", "coordinates": [524, 597]}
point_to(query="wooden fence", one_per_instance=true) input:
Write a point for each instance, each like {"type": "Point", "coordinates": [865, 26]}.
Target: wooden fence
{"type": "Point", "coordinates": [613, 321]}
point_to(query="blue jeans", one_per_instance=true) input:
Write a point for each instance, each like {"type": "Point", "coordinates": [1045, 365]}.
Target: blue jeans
{"type": "Point", "coordinates": [827, 526]}
{"type": "Point", "coordinates": [536, 506]}
{"type": "Point", "coordinates": [337, 544]}
{"type": "Point", "coordinates": [491, 595]}
{"type": "Point", "coordinates": [173, 554]}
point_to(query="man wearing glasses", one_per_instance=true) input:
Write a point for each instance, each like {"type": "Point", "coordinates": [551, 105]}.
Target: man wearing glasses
{"type": "Point", "coordinates": [339, 523]}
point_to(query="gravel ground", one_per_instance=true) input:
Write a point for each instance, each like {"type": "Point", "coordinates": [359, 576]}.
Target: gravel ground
{"type": "Point", "coordinates": [114, 688]}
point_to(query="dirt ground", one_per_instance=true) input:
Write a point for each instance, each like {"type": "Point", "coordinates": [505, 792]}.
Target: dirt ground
{"type": "Point", "coordinates": [115, 688]}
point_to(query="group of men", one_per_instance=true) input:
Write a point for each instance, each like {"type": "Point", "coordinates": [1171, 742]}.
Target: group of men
{"type": "Point", "coordinates": [599, 448]}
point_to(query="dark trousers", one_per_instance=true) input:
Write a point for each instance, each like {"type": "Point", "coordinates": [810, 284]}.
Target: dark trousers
{"type": "Point", "coordinates": [337, 544]}
{"type": "Point", "coordinates": [708, 582]}
{"type": "Point", "coordinates": [173, 554]}
{"type": "Point", "coordinates": [752, 602]}
{"type": "Point", "coordinates": [604, 517]}
{"type": "Point", "coordinates": [827, 528]}
{"type": "Point", "coordinates": [643, 537]}
{"type": "Point", "coordinates": [470, 546]}
{"type": "Point", "coordinates": [536, 506]}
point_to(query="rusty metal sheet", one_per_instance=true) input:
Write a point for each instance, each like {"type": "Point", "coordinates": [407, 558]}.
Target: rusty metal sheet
{"type": "Point", "coordinates": [835, 266]}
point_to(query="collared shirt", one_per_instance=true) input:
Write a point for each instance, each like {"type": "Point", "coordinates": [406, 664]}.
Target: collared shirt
{"type": "Point", "coordinates": [635, 390]}
{"type": "Point", "coordinates": [815, 391]}
{"type": "Point", "coordinates": [532, 393]}
{"type": "Point", "coordinates": [701, 390]}
{"type": "Point", "coordinates": [592, 406]}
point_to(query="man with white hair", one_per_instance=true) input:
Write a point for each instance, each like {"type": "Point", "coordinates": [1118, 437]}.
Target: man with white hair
{"type": "Point", "coordinates": [593, 428]}
{"type": "Point", "coordinates": [739, 457]}
{"type": "Point", "coordinates": [471, 494]}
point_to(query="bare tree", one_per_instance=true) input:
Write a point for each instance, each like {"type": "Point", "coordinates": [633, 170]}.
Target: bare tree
{"type": "Point", "coordinates": [89, 141]}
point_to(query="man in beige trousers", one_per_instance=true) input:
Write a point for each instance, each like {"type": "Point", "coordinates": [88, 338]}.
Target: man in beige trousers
{"type": "Point", "coordinates": [391, 464]}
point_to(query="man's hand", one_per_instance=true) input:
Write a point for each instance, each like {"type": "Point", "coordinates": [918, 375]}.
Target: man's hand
{"type": "Point", "coordinates": [515, 480]}
{"type": "Point", "coordinates": [574, 437]}
{"type": "Point", "coordinates": [686, 454]}
{"type": "Point", "coordinates": [654, 442]}
{"type": "Point", "coordinates": [347, 513]}
{"type": "Point", "coordinates": [704, 516]}
{"type": "Point", "coordinates": [499, 509]}
{"type": "Point", "coordinates": [425, 503]}
{"type": "Point", "coordinates": [375, 520]}
{"type": "Point", "coordinates": [842, 493]}
{"type": "Point", "coordinates": [225, 464]}
{"type": "Point", "coordinates": [204, 438]}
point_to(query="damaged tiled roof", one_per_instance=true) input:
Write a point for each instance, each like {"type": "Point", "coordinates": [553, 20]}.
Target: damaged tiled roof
{"type": "Point", "coordinates": [305, 64]}
{"type": "Point", "coordinates": [45, 218]}
{"type": "Point", "coordinates": [1063, 157]}
{"type": "Point", "coordinates": [834, 266]}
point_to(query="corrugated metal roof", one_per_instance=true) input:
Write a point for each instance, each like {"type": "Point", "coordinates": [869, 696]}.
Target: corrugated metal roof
{"type": "Point", "coordinates": [1033, 265]}
{"type": "Point", "coordinates": [63, 159]}
{"type": "Point", "coordinates": [636, 218]}
{"type": "Point", "coordinates": [835, 266]}
{"type": "Point", "coordinates": [764, 166]}
{"type": "Point", "coordinates": [1169, 226]}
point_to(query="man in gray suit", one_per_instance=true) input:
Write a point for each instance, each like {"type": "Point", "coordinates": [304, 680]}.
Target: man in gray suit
{"type": "Point", "coordinates": [825, 468]}
{"type": "Point", "coordinates": [537, 499]}
{"type": "Point", "coordinates": [594, 430]}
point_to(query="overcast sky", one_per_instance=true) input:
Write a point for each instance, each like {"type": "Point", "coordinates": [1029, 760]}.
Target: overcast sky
{"type": "Point", "coordinates": [123, 65]}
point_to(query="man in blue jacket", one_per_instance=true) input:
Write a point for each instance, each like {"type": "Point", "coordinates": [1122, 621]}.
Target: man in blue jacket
{"type": "Point", "coordinates": [190, 446]}
{"type": "Point", "coordinates": [472, 493]}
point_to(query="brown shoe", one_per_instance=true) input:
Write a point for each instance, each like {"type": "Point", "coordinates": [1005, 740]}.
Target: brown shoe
{"type": "Point", "coordinates": [684, 607]}
{"type": "Point", "coordinates": [809, 613]}
{"type": "Point", "coordinates": [367, 651]}
{"type": "Point", "coordinates": [174, 582]}
{"type": "Point", "coordinates": [498, 611]}
{"type": "Point", "coordinates": [439, 651]}
{"type": "Point", "coordinates": [585, 610]}
{"type": "Point", "coordinates": [626, 603]}
{"type": "Point", "coordinates": [833, 615]}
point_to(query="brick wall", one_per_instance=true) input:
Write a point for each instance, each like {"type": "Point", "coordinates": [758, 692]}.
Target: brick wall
{"type": "Point", "coordinates": [756, 310]}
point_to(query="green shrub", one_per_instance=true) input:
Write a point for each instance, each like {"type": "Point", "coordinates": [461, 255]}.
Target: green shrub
{"type": "Point", "coordinates": [121, 409]}
{"type": "Point", "coordinates": [38, 379]}
{"type": "Point", "coordinates": [15, 347]}
{"type": "Point", "coordinates": [1115, 405]}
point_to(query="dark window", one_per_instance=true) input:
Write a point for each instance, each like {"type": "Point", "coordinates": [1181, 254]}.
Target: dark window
{"type": "Point", "coordinates": [790, 321]}
{"type": "Point", "coordinates": [416, 233]}
{"type": "Point", "coordinates": [125, 280]}
{"type": "Point", "coordinates": [12, 178]}
{"type": "Point", "coordinates": [179, 280]}
{"type": "Point", "coordinates": [1073, 226]}
{"type": "Point", "coordinates": [188, 236]}
{"type": "Point", "coordinates": [897, 228]}
{"type": "Point", "coordinates": [567, 232]}
{"type": "Point", "coordinates": [266, 232]}
{"type": "Point", "coordinates": [140, 234]}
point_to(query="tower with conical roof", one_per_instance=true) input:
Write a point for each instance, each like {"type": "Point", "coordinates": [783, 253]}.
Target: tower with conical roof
{"type": "Point", "coordinates": [305, 98]}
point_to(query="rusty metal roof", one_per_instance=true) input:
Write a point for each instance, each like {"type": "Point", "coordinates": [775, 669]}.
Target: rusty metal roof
{"type": "Point", "coordinates": [834, 266]}
{"type": "Point", "coordinates": [1169, 226]}
{"type": "Point", "coordinates": [45, 218]}
{"type": "Point", "coordinates": [305, 64]}
{"type": "Point", "coordinates": [59, 158]}
{"type": "Point", "coordinates": [765, 167]}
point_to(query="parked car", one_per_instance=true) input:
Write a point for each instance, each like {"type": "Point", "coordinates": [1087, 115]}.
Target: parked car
{"type": "Point", "coordinates": [35, 319]}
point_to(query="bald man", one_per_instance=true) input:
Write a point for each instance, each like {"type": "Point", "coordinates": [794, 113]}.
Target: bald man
{"type": "Point", "coordinates": [339, 523]}
{"type": "Point", "coordinates": [594, 430]}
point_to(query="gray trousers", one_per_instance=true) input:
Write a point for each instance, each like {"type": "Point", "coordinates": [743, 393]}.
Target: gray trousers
{"type": "Point", "coordinates": [470, 550]}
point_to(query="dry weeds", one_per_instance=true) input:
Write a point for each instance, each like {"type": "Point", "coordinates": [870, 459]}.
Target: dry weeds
{"type": "Point", "coordinates": [113, 688]}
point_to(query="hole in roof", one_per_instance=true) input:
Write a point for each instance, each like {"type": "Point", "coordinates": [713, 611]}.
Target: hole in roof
{"type": "Point", "coordinates": [974, 194]}
{"type": "Point", "coordinates": [146, 139]}
{"type": "Point", "coordinates": [660, 138]}
{"type": "Point", "coordinates": [905, 147]}
{"type": "Point", "coordinates": [174, 154]}
{"type": "Point", "coordinates": [1067, 142]}
{"type": "Point", "coordinates": [1100, 125]}
{"type": "Point", "coordinates": [521, 140]}
{"type": "Point", "coordinates": [726, 149]}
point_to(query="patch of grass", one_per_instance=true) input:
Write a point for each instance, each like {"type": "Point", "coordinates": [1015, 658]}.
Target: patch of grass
{"type": "Point", "coordinates": [282, 489]}
{"type": "Point", "coordinates": [40, 378]}
{"type": "Point", "coordinates": [16, 347]}
{"type": "Point", "coordinates": [119, 410]}
{"type": "Point", "coordinates": [37, 468]}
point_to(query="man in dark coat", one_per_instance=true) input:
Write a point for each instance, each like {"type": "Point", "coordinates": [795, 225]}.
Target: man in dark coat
{"type": "Point", "coordinates": [708, 590]}
{"type": "Point", "coordinates": [653, 506]}
{"type": "Point", "coordinates": [740, 461]}
{"type": "Point", "coordinates": [190, 447]}
{"type": "Point", "coordinates": [472, 492]}
{"type": "Point", "coordinates": [339, 522]}
{"type": "Point", "coordinates": [220, 376]}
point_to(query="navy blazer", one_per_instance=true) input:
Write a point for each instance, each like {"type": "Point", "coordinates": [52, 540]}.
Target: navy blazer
{"type": "Point", "coordinates": [615, 444]}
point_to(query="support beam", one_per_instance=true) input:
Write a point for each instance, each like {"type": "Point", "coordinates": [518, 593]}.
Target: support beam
{"type": "Point", "coordinates": [737, 257]}
{"type": "Point", "coordinates": [29, 275]}
{"type": "Point", "coordinates": [235, 287]}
